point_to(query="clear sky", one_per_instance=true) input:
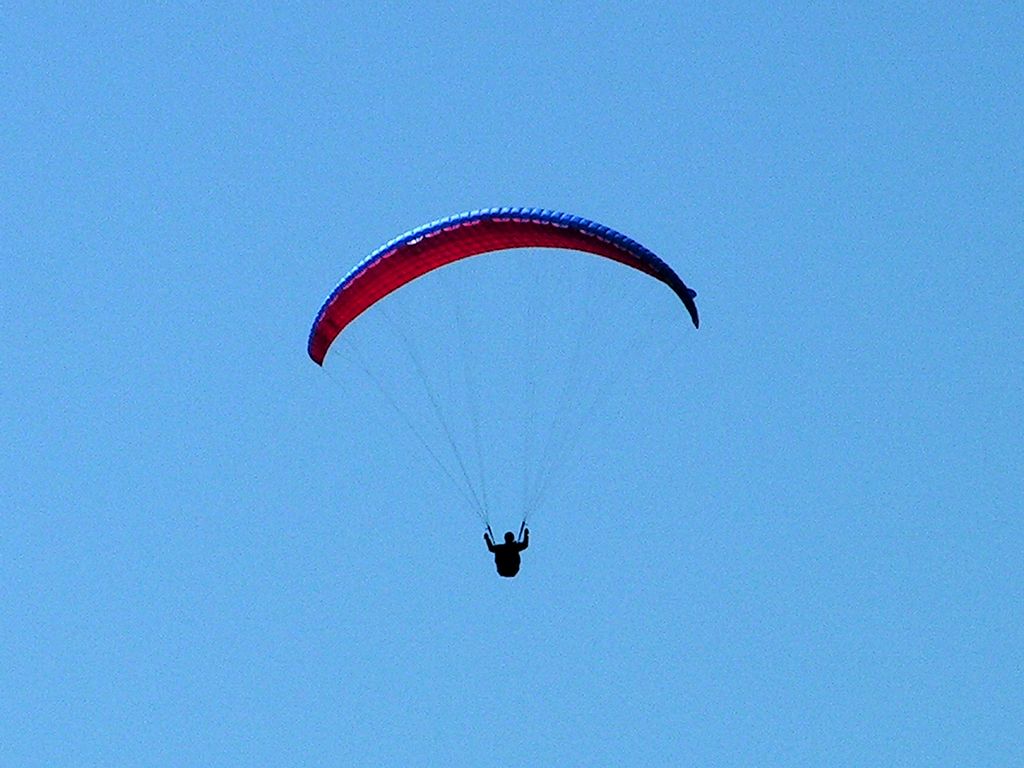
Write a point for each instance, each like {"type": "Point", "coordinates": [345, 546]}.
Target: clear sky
{"type": "Point", "coordinates": [791, 538]}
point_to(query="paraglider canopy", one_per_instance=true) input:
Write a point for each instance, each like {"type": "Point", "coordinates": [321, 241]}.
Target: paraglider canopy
{"type": "Point", "coordinates": [469, 234]}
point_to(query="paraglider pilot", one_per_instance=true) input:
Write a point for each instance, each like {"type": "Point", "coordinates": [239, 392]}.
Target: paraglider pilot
{"type": "Point", "coordinates": [506, 555]}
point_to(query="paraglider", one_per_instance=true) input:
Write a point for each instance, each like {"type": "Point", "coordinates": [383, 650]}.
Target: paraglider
{"type": "Point", "coordinates": [506, 554]}
{"type": "Point", "coordinates": [458, 237]}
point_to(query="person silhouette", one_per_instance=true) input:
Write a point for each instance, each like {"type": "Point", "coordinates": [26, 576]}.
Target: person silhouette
{"type": "Point", "coordinates": [506, 555]}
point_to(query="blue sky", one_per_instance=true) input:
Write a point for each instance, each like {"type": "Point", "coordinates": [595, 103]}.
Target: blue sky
{"type": "Point", "coordinates": [790, 538]}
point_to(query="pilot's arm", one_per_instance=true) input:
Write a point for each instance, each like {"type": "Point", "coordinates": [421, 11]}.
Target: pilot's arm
{"type": "Point", "coordinates": [526, 539]}
{"type": "Point", "coordinates": [490, 544]}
